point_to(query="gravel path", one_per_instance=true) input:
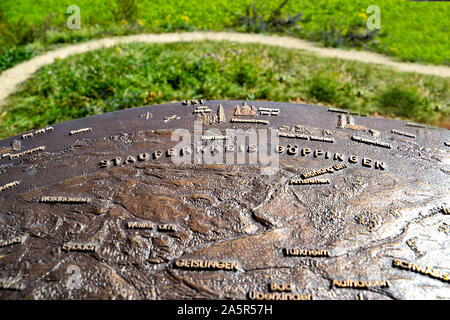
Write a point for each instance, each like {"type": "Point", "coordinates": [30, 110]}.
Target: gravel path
{"type": "Point", "coordinates": [10, 78]}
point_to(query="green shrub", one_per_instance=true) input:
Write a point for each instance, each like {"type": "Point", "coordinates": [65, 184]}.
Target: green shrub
{"type": "Point", "coordinates": [405, 102]}
{"type": "Point", "coordinates": [354, 35]}
{"type": "Point", "coordinates": [322, 88]}
{"type": "Point", "coordinates": [257, 19]}
{"type": "Point", "coordinates": [125, 10]}
{"type": "Point", "coordinates": [14, 56]}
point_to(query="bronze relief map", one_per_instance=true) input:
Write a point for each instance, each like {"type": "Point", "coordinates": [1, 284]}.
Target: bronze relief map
{"type": "Point", "coordinates": [226, 200]}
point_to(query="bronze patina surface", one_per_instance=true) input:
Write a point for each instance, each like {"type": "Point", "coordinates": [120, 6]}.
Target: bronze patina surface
{"type": "Point", "coordinates": [355, 207]}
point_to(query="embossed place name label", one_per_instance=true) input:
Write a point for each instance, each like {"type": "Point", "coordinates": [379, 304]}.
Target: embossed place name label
{"type": "Point", "coordinates": [64, 200]}
{"type": "Point", "coordinates": [346, 112]}
{"type": "Point", "coordinates": [209, 138]}
{"type": "Point", "coordinates": [174, 117]}
{"type": "Point", "coordinates": [281, 287]}
{"type": "Point", "coordinates": [10, 185]}
{"type": "Point", "coordinates": [401, 264]}
{"type": "Point", "coordinates": [331, 169]}
{"type": "Point", "coordinates": [249, 121]}
{"type": "Point", "coordinates": [294, 150]}
{"type": "Point", "coordinates": [295, 252]}
{"type": "Point", "coordinates": [85, 247]}
{"type": "Point", "coordinates": [337, 110]}
{"type": "Point", "coordinates": [16, 240]}
{"type": "Point", "coordinates": [202, 109]}
{"type": "Point", "coordinates": [293, 135]}
{"type": "Point", "coordinates": [256, 295]}
{"type": "Point", "coordinates": [79, 131]}
{"type": "Point", "coordinates": [17, 155]}
{"type": "Point", "coordinates": [207, 265]}
{"type": "Point", "coordinates": [372, 142]}
{"type": "Point", "coordinates": [304, 137]}
{"type": "Point", "coordinates": [167, 227]}
{"type": "Point", "coordinates": [269, 111]}
{"type": "Point", "coordinates": [37, 132]}
{"type": "Point", "coordinates": [273, 110]}
{"type": "Point", "coordinates": [291, 150]}
{"type": "Point", "coordinates": [406, 134]}
{"type": "Point", "coordinates": [417, 125]}
{"type": "Point", "coordinates": [140, 225]}
{"type": "Point", "coordinates": [151, 225]}
{"type": "Point", "coordinates": [360, 284]}
{"type": "Point", "coordinates": [322, 139]}
{"type": "Point", "coordinates": [187, 102]}
{"type": "Point", "coordinates": [11, 285]}
{"type": "Point", "coordinates": [309, 181]}
{"type": "Point", "coordinates": [143, 157]}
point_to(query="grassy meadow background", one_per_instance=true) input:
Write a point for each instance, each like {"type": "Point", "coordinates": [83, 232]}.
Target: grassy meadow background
{"type": "Point", "coordinates": [410, 31]}
{"type": "Point", "coordinates": [138, 74]}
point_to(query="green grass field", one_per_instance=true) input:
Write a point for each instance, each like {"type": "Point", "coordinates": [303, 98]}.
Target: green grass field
{"type": "Point", "coordinates": [410, 31]}
{"type": "Point", "coordinates": [136, 75]}
{"type": "Point", "coordinates": [141, 74]}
